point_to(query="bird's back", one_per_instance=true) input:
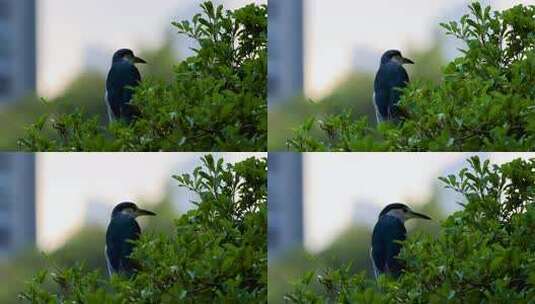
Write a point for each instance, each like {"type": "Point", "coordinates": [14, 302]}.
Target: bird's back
{"type": "Point", "coordinates": [389, 79]}
{"type": "Point", "coordinates": [386, 232]}
{"type": "Point", "coordinates": [121, 77]}
{"type": "Point", "coordinates": [121, 229]}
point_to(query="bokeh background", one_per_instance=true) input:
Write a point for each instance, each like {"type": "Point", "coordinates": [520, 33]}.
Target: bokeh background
{"type": "Point", "coordinates": [324, 54]}
{"type": "Point", "coordinates": [59, 52]}
{"type": "Point", "coordinates": [322, 206]}
{"type": "Point", "coordinates": [54, 207]}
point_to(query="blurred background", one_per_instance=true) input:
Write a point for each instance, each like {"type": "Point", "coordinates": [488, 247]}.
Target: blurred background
{"type": "Point", "coordinates": [323, 206]}
{"type": "Point", "coordinates": [61, 50]}
{"type": "Point", "coordinates": [59, 204]}
{"type": "Point", "coordinates": [323, 55]}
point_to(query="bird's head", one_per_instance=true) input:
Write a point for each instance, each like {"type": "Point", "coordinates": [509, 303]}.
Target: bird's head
{"type": "Point", "coordinates": [402, 212]}
{"type": "Point", "coordinates": [126, 55]}
{"type": "Point", "coordinates": [129, 209]}
{"type": "Point", "coordinates": [395, 56]}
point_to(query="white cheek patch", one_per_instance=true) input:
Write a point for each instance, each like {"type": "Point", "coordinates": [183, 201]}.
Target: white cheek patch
{"type": "Point", "coordinates": [397, 59]}
{"type": "Point", "coordinates": [398, 213]}
{"type": "Point", "coordinates": [129, 211]}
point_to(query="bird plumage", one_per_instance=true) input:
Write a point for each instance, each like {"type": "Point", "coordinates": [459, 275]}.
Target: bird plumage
{"type": "Point", "coordinates": [390, 78]}
{"type": "Point", "coordinates": [122, 78]}
{"type": "Point", "coordinates": [385, 247]}
{"type": "Point", "coordinates": [122, 230]}
{"type": "Point", "coordinates": [387, 234]}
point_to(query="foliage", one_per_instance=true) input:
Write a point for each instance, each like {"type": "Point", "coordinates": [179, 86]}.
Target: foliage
{"type": "Point", "coordinates": [20, 268]}
{"type": "Point", "coordinates": [83, 92]}
{"type": "Point", "coordinates": [350, 248]}
{"type": "Point", "coordinates": [485, 102]}
{"type": "Point", "coordinates": [14, 272]}
{"type": "Point", "coordinates": [216, 102]}
{"type": "Point", "coordinates": [217, 253]}
{"type": "Point", "coordinates": [352, 94]}
{"type": "Point", "coordinates": [351, 245]}
{"type": "Point", "coordinates": [17, 115]}
{"type": "Point", "coordinates": [482, 254]}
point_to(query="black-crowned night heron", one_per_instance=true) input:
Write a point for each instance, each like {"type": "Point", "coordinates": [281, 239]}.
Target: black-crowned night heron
{"type": "Point", "coordinates": [390, 229]}
{"type": "Point", "coordinates": [122, 78]}
{"type": "Point", "coordinates": [122, 230]}
{"type": "Point", "coordinates": [390, 78]}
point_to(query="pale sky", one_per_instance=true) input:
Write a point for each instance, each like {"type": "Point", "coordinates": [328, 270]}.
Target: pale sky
{"type": "Point", "coordinates": [67, 183]}
{"type": "Point", "coordinates": [66, 29]}
{"type": "Point", "coordinates": [334, 29]}
{"type": "Point", "coordinates": [337, 184]}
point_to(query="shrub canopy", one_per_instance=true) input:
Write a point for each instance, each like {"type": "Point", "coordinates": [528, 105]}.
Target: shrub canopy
{"type": "Point", "coordinates": [217, 253]}
{"type": "Point", "coordinates": [486, 101]}
{"type": "Point", "coordinates": [483, 254]}
{"type": "Point", "coordinates": [216, 102]}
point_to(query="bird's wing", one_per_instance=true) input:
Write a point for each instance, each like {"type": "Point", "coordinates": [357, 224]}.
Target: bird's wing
{"type": "Point", "coordinates": [398, 79]}
{"type": "Point", "coordinates": [111, 251]}
{"type": "Point", "coordinates": [378, 114]}
{"type": "Point", "coordinates": [381, 94]}
{"type": "Point", "coordinates": [385, 247]}
{"type": "Point", "coordinates": [378, 247]}
{"type": "Point", "coordinates": [109, 267]}
{"type": "Point", "coordinates": [108, 108]}
{"type": "Point", "coordinates": [388, 80]}
{"type": "Point", "coordinates": [121, 231]}
{"type": "Point", "coordinates": [132, 232]}
{"type": "Point", "coordinates": [375, 270]}
{"type": "Point", "coordinates": [121, 78]}
{"type": "Point", "coordinates": [393, 247]}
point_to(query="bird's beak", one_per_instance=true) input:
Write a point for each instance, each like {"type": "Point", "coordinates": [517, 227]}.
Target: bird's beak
{"type": "Point", "coordinates": [139, 60]}
{"type": "Point", "coordinates": [406, 60]}
{"type": "Point", "coordinates": [141, 212]}
{"type": "Point", "coordinates": [419, 215]}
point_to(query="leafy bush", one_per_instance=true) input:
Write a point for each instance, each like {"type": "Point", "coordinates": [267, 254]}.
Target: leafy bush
{"type": "Point", "coordinates": [217, 254]}
{"type": "Point", "coordinates": [485, 102]}
{"type": "Point", "coordinates": [20, 268]}
{"type": "Point", "coordinates": [217, 101]}
{"type": "Point", "coordinates": [352, 93]}
{"type": "Point", "coordinates": [350, 249]}
{"type": "Point", "coordinates": [483, 254]}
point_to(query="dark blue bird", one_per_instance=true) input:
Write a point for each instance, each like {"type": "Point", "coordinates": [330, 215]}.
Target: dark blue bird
{"type": "Point", "coordinates": [389, 229]}
{"type": "Point", "coordinates": [122, 78]}
{"type": "Point", "coordinates": [390, 77]}
{"type": "Point", "coordinates": [122, 230]}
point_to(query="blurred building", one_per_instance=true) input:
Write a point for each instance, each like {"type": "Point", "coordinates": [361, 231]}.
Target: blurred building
{"type": "Point", "coordinates": [17, 49]}
{"type": "Point", "coordinates": [17, 202]}
{"type": "Point", "coordinates": [285, 46]}
{"type": "Point", "coordinates": [285, 203]}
